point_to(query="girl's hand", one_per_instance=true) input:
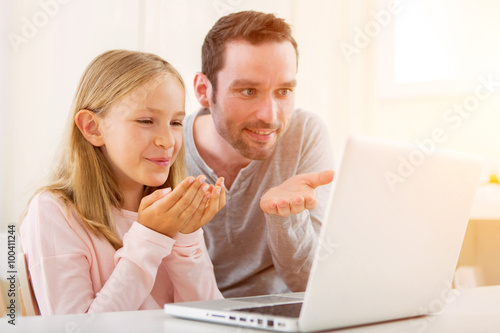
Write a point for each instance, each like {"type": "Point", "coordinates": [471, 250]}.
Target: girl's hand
{"type": "Point", "coordinates": [188, 207]}
{"type": "Point", "coordinates": [216, 199]}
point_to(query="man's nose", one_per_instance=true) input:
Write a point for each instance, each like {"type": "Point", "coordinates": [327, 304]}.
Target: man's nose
{"type": "Point", "coordinates": [268, 110]}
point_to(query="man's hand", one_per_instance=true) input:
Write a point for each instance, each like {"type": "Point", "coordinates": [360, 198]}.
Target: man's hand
{"type": "Point", "coordinates": [295, 194]}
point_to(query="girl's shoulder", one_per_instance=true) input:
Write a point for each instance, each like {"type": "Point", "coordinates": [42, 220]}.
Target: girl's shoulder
{"type": "Point", "coordinates": [46, 199]}
{"type": "Point", "coordinates": [49, 207]}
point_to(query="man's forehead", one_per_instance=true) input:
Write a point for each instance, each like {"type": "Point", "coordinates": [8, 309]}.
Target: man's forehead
{"type": "Point", "coordinates": [245, 63]}
{"type": "Point", "coordinates": [238, 45]}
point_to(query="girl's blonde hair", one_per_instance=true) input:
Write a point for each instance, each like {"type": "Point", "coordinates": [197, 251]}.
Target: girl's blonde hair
{"type": "Point", "coordinates": [83, 178]}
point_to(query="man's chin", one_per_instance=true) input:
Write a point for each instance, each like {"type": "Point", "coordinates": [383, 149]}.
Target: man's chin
{"type": "Point", "coordinates": [260, 153]}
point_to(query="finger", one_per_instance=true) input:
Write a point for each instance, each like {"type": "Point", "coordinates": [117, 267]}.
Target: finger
{"type": "Point", "coordinates": [269, 207]}
{"type": "Point", "coordinates": [195, 221]}
{"type": "Point", "coordinates": [213, 205]}
{"type": "Point", "coordinates": [297, 204]}
{"type": "Point", "coordinates": [310, 202]}
{"type": "Point", "coordinates": [316, 179]}
{"type": "Point", "coordinates": [222, 197]}
{"type": "Point", "coordinates": [180, 189]}
{"type": "Point", "coordinates": [189, 202]}
{"type": "Point", "coordinates": [283, 208]}
{"type": "Point", "coordinates": [188, 186]}
{"type": "Point", "coordinates": [153, 197]}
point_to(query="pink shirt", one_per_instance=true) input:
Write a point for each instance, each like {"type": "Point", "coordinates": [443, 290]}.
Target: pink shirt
{"type": "Point", "coordinates": [74, 271]}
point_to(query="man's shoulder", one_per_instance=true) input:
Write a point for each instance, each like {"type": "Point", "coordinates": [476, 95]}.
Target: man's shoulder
{"type": "Point", "coordinates": [305, 122]}
{"type": "Point", "coordinates": [301, 117]}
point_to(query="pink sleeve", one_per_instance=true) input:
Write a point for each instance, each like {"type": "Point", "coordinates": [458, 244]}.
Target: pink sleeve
{"type": "Point", "coordinates": [61, 257]}
{"type": "Point", "coordinates": [136, 266]}
{"type": "Point", "coordinates": [190, 269]}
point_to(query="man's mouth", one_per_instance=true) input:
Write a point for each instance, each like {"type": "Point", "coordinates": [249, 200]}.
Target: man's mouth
{"type": "Point", "coordinates": [261, 135]}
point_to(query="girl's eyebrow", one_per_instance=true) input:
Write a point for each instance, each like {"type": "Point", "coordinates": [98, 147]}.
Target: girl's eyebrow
{"type": "Point", "coordinates": [155, 110]}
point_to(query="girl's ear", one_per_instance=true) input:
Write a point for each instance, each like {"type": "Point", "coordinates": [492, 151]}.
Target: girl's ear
{"type": "Point", "coordinates": [202, 89]}
{"type": "Point", "coordinates": [88, 124]}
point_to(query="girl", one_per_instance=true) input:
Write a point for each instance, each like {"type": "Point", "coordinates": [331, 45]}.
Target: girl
{"type": "Point", "coordinates": [118, 228]}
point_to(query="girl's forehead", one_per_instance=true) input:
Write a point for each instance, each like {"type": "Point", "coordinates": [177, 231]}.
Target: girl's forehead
{"type": "Point", "coordinates": [140, 97]}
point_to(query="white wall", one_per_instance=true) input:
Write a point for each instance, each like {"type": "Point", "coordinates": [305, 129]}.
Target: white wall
{"type": "Point", "coordinates": [47, 64]}
{"type": "Point", "coordinates": [4, 83]}
{"type": "Point", "coordinates": [351, 93]}
{"type": "Point", "coordinates": [58, 42]}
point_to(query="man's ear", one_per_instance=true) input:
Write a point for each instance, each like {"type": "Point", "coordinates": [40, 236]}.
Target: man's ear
{"type": "Point", "coordinates": [202, 89]}
{"type": "Point", "coordinates": [88, 123]}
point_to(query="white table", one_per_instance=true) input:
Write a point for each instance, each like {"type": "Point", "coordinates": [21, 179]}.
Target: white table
{"type": "Point", "coordinates": [475, 310]}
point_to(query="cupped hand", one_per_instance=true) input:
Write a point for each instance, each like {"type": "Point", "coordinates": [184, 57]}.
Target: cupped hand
{"type": "Point", "coordinates": [185, 209]}
{"type": "Point", "coordinates": [215, 199]}
{"type": "Point", "coordinates": [295, 194]}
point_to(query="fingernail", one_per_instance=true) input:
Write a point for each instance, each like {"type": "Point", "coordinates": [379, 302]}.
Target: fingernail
{"type": "Point", "coordinates": [217, 190]}
{"type": "Point", "coordinates": [205, 187]}
{"type": "Point", "coordinates": [166, 191]}
{"type": "Point", "coordinates": [191, 180]}
{"type": "Point", "coordinates": [202, 179]}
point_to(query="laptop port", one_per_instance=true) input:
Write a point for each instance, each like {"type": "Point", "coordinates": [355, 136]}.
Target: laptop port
{"type": "Point", "coordinates": [270, 323]}
{"type": "Point", "coordinates": [260, 321]}
{"type": "Point", "coordinates": [281, 325]}
{"type": "Point", "coordinates": [218, 316]}
{"type": "Point", "coordinates": [243, 319]}
{"type": "Point", "coordinates": [232, 318]}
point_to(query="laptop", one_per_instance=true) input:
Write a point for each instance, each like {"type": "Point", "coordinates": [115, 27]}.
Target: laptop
{"type": "Point", "coordinates": [388, 247]}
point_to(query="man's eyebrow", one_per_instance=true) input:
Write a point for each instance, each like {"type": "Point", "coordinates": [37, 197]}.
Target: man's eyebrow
{"type": "Point", "coordinates": [243, 83]}
{"type": "Point", "coordinates": [292, 83]}
{"type": "Point", "coordinates": [250, 83]}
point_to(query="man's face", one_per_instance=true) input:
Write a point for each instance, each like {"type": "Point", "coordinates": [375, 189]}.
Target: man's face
{"type": "Point", "coordinates": [255, 96]}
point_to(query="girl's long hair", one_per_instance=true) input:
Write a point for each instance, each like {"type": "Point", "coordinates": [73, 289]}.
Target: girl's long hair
{"type": "Point", "coordinates": [83, 177]}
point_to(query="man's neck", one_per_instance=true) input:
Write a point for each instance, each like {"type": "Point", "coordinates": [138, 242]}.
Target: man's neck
{"type": "Point", "coordinates": [217, 153]}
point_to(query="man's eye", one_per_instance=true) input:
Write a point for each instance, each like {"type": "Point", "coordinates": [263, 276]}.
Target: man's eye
{"type": "Point", "coordinates": [248, 91]}
{"type": "Point", "coordinates": [285, 92]}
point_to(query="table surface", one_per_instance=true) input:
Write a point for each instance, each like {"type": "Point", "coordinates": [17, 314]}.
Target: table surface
{"type": "Point", "coordinates": [473, 310]}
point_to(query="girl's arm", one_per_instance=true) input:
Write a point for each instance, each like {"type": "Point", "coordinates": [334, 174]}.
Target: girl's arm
{"type": "Point", "coordinates": [189, 266]}
{"type": "Point", "coordinates": [74, 271]}
{"type": "Point", "coordinates": [191, 270]}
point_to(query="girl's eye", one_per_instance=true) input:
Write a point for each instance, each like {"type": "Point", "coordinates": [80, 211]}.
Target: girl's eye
{"type": "Point", "coordinates": [145, 121]}
{"type": "Point", "coordinates": [176, 123]}
{"type": "Point", "coordinates": [248, 91]}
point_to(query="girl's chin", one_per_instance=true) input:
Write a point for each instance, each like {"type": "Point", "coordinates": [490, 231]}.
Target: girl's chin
{"type": "Point", "coordinates": [156, 182]}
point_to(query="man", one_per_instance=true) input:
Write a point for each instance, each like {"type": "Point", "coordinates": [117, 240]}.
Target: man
{"type": "Point", "coordinates": [269, 155]}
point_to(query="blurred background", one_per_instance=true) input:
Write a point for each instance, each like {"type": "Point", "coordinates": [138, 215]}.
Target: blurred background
{"type": "Point", "coordinates": [394, 69]}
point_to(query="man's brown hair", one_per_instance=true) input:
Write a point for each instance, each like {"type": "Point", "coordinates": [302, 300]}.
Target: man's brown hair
{"type": "Point", "coordinates": [251, 26]}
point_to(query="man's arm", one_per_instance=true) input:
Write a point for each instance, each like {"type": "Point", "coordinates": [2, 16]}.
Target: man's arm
{"type": "Point", "coordinates": [294, 210]}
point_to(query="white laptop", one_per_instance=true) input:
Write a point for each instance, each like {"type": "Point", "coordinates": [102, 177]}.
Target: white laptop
{"type": "Point", "coordinates": [388, 247]}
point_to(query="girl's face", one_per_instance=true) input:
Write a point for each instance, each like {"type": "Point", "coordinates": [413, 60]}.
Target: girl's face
{"type": "Point", "coordinates": [142, 134]}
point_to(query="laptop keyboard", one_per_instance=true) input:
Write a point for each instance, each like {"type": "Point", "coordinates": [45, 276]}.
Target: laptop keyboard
{"type": "Point", "coordinates": [291, 310]}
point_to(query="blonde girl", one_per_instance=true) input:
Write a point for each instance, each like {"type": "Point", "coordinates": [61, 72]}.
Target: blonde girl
{"type": "Point", "coordinates": [118, 227]}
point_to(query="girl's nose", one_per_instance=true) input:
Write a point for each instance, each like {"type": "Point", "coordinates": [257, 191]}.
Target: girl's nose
{"type": "Point", "coordinates": [165, 140]}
